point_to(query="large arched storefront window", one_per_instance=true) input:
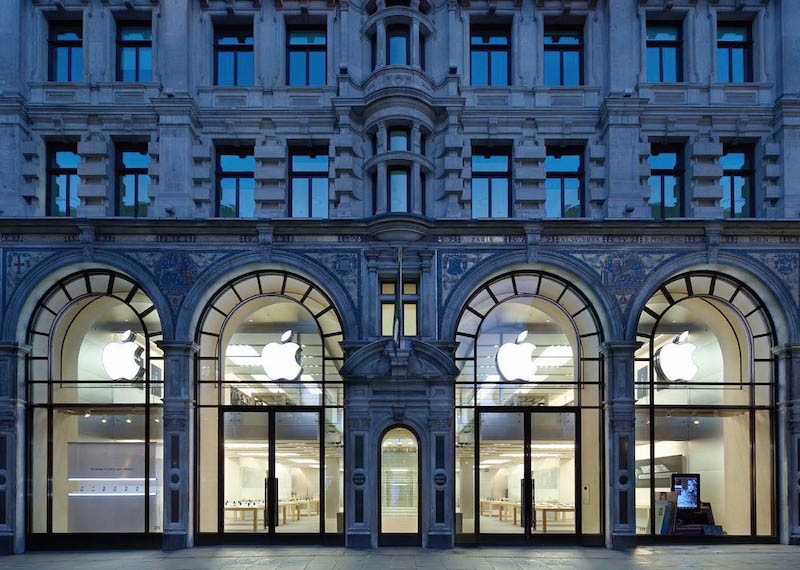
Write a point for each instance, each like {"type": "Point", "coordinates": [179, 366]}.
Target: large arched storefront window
{"type": "Point", "coordinates": [704, 379]}
{"type": "Point", "coordinates": [95, 383]}
{"type": "Point", "coordinates": [528, 418]}
{"type": "Point", "coordinates": [270, 416]}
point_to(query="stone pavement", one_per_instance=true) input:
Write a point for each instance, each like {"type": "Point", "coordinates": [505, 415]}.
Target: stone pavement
{"type": "Point", "coordinates": [720, 557]}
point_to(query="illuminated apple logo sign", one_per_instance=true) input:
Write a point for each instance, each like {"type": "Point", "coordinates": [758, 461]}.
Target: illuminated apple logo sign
{"type": "Point", "coordinates": [675, 360]}
{"type": "Point", "coordinates": [122, 359]}
{"type": "Point", "coordinates": [515, 359]}
{"type": "Point", "coordinates": [280, 359]}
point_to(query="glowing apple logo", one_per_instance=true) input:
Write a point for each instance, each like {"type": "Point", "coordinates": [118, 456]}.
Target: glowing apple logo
{"type": "Point", "coordinates": [280, 359]}
{"type": "Point", "coordinates": [122, 359]}
{"type": "Point", "coordinates": [515, 359]}
{"type": "Point", "coordinates": [675, 360]}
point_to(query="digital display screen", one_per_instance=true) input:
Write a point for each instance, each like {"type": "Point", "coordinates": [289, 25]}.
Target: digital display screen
{"type": "Point", "coordinates": [688, 489]}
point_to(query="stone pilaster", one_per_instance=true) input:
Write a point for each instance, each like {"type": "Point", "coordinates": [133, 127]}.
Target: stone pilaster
{"type": "Point", "coordinates": [12, 448]}
{"type": "Point", "coordinates": [178, 456]}
{"type": "Point", "coordinates": [620, 415]}
{"type": "Point", "coordinates": [788, 444]}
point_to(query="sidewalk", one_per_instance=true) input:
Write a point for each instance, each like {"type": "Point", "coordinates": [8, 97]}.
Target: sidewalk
{"type": "Point", "coordinates": [723, 557]}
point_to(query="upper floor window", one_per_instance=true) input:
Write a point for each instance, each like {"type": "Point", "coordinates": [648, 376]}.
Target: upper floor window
{"type": "Point", "coordinates": [134, 53]}
{"type": "Point", "coordinates": [666, 181]}
{"type": "Point", "coordinates": [398, 138]}
{"type": "Point", "coordinates": [308, 183]}
{"type": "Point", "coordinates": [409, 300]}
{"type": "Point", "coordinates": [734, 53]}
{"type": "Point", "coordinates": [62, 179]}
{"type": "Point", "coordinates": [564, 183]}
{"type": "Point", "coordinates": [233, 55]}
{"type": "Point", "coordinates": [491, 183]}
{"type": "Point", "coordinates": [66, 51]}
{"type": "Point", "coordinates": [306, 54]}
{"type": "Point", "coordinates": [664, 53]}
{"type": "Point", "coordinates": [399, 189]}
{"type": "Point", "coordinates": [737, 181]}
{"type": "Point", "coordinates": [563, 56]}
{"type": "Point", "coordinates": [236, 182]}
{"type": "Point", "coordinates": [490, 56]}
{"type": "Point", "coordinates": [398, 45]}
{"type": "Point", "coordinates": [133, 182]}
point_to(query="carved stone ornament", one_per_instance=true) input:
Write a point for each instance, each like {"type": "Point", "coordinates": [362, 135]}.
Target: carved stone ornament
{"type": "Point", "coordinates": [358, 423]}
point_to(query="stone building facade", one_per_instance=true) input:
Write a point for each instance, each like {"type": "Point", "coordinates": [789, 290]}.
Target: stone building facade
{"type": "Point", "coordinates": [289, 161]}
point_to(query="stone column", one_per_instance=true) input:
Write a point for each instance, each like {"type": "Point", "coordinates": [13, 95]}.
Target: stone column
{"type": "Point", "coordinates": [360, 473]}
{"type": "Point", "coordinates": [788, 445]}
{"type": "Point", "coordinates": [414, 43]}
{"type": "Point", "coordinates": [620, 438]}
{"type": "Point", "coordinates": [380, 44]}
{"type": "Point", "coordinates": [12, 448]}
{"type": "Point", "coordinates": [178, 420]}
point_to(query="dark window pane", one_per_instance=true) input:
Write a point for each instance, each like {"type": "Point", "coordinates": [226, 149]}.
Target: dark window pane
{"type": "Point", "coordinates": [307, 37]}
{"type": "Point", "coordinates": [480, 68]}
{"type": "Point", "coordinates": [670, 59]}
{"type": "Point", "coordinates": [492, 163]}
{"type": "Point", "coordinates": [734, 161]}
{"type": "Point", "coordinates": [307, 163]}
{"type": "Point", "coordinates": [662, 33]}
{"type": "Point", "coordinates": [672, 197]}
{"type": "Point", "coordinates": [723, 63]}
{"type": "Point", "coordinates": [319, 197]}
{"type": "Point", "coordinates": [244, 70]}
{"type": "Point", "coordinates": [552, 68]}
{"type": "Point", "coordinates": [572, 199]}
{"type": "Point", "coordinates": [69, 35]}
{"type": "Point", "coordinates": [225, 68]}
{"type": "Point", "coordinates": [563, 163]}
{"type": "Point", "coordinates": [572, 68]}
{"type": "Point", "coordinates": [499, 198]}
{"type": "Point", "coordinates": [398, 190]}
{"type": "Point", "coordinates": [227, 202]}
{"type": "Point", "coordinates": [480, 197]}
{"type": "Point", "coordinates": [499, 68]}
{"type": "Point", "coordinates": [655, 196]}
{"type": "Point", "coordinates": [76, 73]}
{"type": "Point", "coordinates": [738, 65]}
{"type": "Point", "coordinates": [67, 159]}
{"type": "Point", "coordinates": [398, 47]}
{"type": "Point", "coordinates": [62, 64]}
{"type": "Point", "coordinates": [247, 202]}
{"type": "Point", "coordinates": [552, 200]}
{"type": "Point", "coordinates": [128, 64]}
{"type": "Point", "coordinates": [398, 140]}
{"type": "Point", "coordinates": [127, 206]}
{"type": "Point", "coordinates": [653, 65]}
{"type": "Point", "coordinates": [316, 68]}
{"type": "Point", "coordinates": [741, 196]}
{"type": "Point", "coordinates": [145, 64]}
{"type": "Point", "coordinates": [300, 198]}
{"type": "Point", "coordinates": [235, 163]}
{"type": "Point", "coordinates": [725, 203]}
{"type": "Point", "coordinates": [136, 33]}
{"type": "Point", "coordinates": [144, 194]}
{"type": "Point", "coordinates": [732, 33]}
{"type": "Point", "coordinates": [663, 161]}
{"type": "Point", "coordinates": [297, 68]}
{"type": "Point", "coordinates": [133, 159]}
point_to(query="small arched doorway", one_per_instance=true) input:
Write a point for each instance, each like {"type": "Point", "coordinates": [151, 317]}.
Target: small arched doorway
{"type": "Point", "coordinates": [399, 488]}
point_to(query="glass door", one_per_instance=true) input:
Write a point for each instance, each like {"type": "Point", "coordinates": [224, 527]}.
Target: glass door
{"type": "Point", "coordinates": [526, 473]}
{"type": "Point", "coordinates": [502, 473]}
{"type": "Point", "coordinates": [271, 472]}
{"type": "Point", "coordinates": [245, 470]}
{"type": "Point", "coordinates": [552, 456]}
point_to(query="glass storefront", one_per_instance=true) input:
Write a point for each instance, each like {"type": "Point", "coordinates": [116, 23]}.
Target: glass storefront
{"type": "Point", "coordinates": [95, 383]}
{"type": "Point", "coordinates": [528, 432]}
{"type": "Point", "coordinates": [399, 482]}
{"type": "Point", "coordinates": [704, 396]}
{"type": "Point", "coordinates": [270, 409]}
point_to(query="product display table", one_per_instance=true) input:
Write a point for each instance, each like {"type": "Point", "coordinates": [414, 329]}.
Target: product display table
{"type": "Point", "coordinates": [240, 511]}
{"type": "Point", "coordinates": [295, 508]}
{"type": "Point", "coordinates": [559, 514]}
{"type": "Point", "coordinates": [503, 508]}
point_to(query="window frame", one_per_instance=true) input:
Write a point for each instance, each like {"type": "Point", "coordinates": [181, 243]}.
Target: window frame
{"type": "Point", "coordinates": [579, 175]}
{"type": "Point", "coordinates": [486, 151]}
{"type": "Point", "coordinates": [389, 171]}
{"type": "Point", "coordinates": [53, 170]}
{"type": "Point", "coordinates": [660, 45]}
{"type": "Point", "coordinates": [406, 32]}
{"type": "Point", "coordinates": [54, 44]}
{"type": "Point", "coordinates": [238, 175]}
{"type": "Point", "coordinates": [120, 171]}
{"type": "Point", "coordinates": [137, 45]}
{"type": "Point", "coordinates": [746, 46]}
{"type": "Point", "coordinates": [679, 172]}
{"type": "Point", "coordinates": [733, 173]}
{"type": "Point", "coordinates": [561, 49]}
{"type": "Point", "coordinates": [315, 150]}
{"type": "Point", "coordinates": [406, 299]}
{"type": "Point", "coordinates": [487, 30]}
{"type": "Point", "coordinates": [231, 29]}
{"type": "Point", "coordinates": [306, 50]}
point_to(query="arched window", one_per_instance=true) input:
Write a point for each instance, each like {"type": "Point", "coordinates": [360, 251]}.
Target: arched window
{"type": "Point", "coordinates": [270, 403]}
{"type": "Point", "coordinates": [704, 379]}
{"type": "Point", "coordinates": [95, 384]}
{"type": "Point", "coordinates": [399, 482]}
{"type": "Point", "coordinates": [528, 420]}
